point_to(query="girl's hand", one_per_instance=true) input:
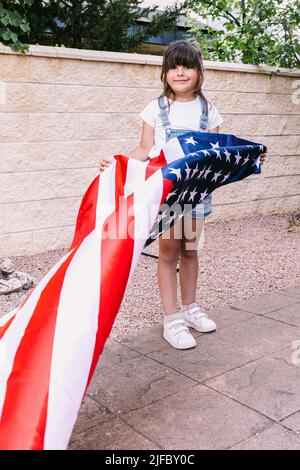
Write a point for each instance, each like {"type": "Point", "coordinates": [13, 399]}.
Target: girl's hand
{"type": "Point", "coordinates": [104, 163]}
{"type": "Point", "coordinates": [263, 157]}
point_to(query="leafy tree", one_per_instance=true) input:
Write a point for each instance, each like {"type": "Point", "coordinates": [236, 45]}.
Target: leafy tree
{"type": "Point", "coordinates": [13, 23]}
{"type": "Point", "coordinates": [98, 24]}
{"type": "Point", "coordinates": [253, 31]}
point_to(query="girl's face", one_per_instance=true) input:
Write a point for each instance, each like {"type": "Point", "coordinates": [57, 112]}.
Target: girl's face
{"type": "Point", "coordinates": [182, 80]}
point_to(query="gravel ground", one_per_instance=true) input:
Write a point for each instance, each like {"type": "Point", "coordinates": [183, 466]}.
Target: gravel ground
{"type": "Point", "coordinates": [240, 259]}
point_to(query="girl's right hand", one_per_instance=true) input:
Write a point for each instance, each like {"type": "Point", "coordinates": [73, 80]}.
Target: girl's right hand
{"type": "Point", "coordinates": [104, 163]}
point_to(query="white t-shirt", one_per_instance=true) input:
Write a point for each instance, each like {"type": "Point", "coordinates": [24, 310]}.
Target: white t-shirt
{"type": "Point", "coordinates": [182, 115]}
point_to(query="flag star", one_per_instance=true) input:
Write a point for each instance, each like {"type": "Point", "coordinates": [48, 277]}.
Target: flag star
{"type": "Point", "coordinates": [195, 171]}
{"type": "Point", "coordinates": [178, 199]}
{"type": "Point", "coordinates": [201, 173]}
{"type": "Point", "coordinates": [256, 162]}
{"type": "Point", "coordinates": [251, 146]}
{"type": "Point", "coordinates": [237, 158]}
{"type": "Point", "coordinates": [245, 160]}
{"type": "Point", "coordinates": [203, 195]}
{"type": "Point", "coordinates": [192, 195]}
{"type": "Point", "coordinates": [192, 154]}
{"type": "Point", "coordinates": [190, 140]}
{"type": "Point", "coordinates": [227, 155]}
{"type": "Point", "coordinates": [214, 145]}
{"type": "Point", "coordinates": [261, 147]}
{"type": "Point", "coordinates": [188, 170]}
{"type": "Point", "coordinates": [176, 171]}
{"type": "Point", "coordinates": [206, 172]}
{"type": "Point", "coordinates": [216, 175]}
{"type": "Point", "coordinates": [206, 152]}
{"type": "Point", "coordinates": [225, 177]}
{"type": "Point", "coordinates": [183, 194]}
{"type": "Point", "coordinates": [218, 154]}
{"type": "Point", "coordinates": [171, 194]}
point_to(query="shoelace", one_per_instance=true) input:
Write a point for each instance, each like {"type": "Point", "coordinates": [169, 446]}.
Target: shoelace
{"type": "Point", "coordinates": [178, 325]}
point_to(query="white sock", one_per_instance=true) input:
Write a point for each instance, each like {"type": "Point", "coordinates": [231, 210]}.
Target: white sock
{"type": "Point", "coordinates": [189, 305]}
{"type": "Point", "coordinates": [174, 316]}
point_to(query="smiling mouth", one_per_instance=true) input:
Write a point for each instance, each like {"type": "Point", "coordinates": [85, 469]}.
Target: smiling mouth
{"type": "Point", "coordinates": [176, 81]}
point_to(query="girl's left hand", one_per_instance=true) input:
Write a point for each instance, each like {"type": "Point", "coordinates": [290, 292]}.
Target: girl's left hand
{"type": "Point", "coordinates": [263, 157]}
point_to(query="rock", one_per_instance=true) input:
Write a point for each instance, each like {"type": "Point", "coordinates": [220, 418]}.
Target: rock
{"type": "Point", "coordinates": [24, 278]}
{"type": "Point", "coordinates": [294, 223]}
{"type": "Point", "coordinates": [12, 285]}
{"type": "Point", "coordinates": [7, 266]}
{"type": "Point", "coordinates": [13, 281]}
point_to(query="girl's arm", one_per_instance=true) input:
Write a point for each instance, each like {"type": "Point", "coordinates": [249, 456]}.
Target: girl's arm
{"type": "Point", "coordinates": [140, 152]}
{"type": "Point", "coordinates": [216, 129]}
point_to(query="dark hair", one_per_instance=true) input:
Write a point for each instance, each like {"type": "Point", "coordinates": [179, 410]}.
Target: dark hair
{"type": "Point", "coordinates": [183, 53]}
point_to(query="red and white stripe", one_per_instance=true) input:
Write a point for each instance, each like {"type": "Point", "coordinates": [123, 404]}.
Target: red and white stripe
{"type": "Point", "coordinates": [50, 345]}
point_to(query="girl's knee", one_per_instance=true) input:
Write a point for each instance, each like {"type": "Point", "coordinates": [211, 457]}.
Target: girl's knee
{"type": "Point", "coordinates": [170, 257]}
{"type": "Point", "coordinates": [187, 253]}
{"type": "Point", "coordinates": [169, 253]}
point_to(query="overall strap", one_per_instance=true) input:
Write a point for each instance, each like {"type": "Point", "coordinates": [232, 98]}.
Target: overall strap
{"type": "Point", "coordinates": [204, 116]}
{"type": "Point", "coordinates": [165, 117]}
{"type": "Point", "coordinates": [163, 111]}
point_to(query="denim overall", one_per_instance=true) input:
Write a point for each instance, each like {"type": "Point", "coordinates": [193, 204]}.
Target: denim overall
{"type": "Point", "coordinates": [203, 209]}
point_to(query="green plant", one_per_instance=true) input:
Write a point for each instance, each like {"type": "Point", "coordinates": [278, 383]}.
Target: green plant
{"type": "Point", "coordinates": [251, 31]}
{"type": "Point", "coordinates": [14, 24]}
{"type": "Point", "coordinates": [111, 25]}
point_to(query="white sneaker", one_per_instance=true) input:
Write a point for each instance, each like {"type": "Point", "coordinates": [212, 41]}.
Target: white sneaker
{"type": "Point", "coordinates": [177, 334]}
{"type": "Point", "coordinates": [195, 318]}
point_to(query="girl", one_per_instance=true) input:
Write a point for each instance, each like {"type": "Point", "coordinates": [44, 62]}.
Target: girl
{"type": "Point", "coordinates": [180, 108]}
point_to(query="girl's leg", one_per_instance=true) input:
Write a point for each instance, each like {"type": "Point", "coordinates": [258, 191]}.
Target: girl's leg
{"type": "Point", "coordinates": [188, 274]}
{"type": "Point", "coordinates": [175, 330]}
{"type": "Point", "coordinates": [169, 250]}
{"type": "Point", "coordinates": [188, 268]}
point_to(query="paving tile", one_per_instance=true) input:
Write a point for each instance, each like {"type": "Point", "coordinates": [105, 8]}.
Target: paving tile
{"type": "Point", "coordinates": [145, 341]}
{"type": "Point", "coordinates": [292, 422]}
{"type": "Point", "coordinates": [291, 354]}
{"type": "Point", "coordinates": [261, 335]}
{"type": "Point", "coordinates": [112, 435]}
{"type": "Point", "coordinates": [115, 353]}
{"type": "Point", "coordinates": [90, 415]}
{"type": "Point", "coordinates": [134, 383]}
{"type": "Point", "coordinates": [273, 438]}
{"type": "Point", "coordinates": [198, 418]}
{"type": "Point", "coordinates": [265, 303]}
{"type": "Point", "coordinates": [226, 316]}
{"type": "Point", "coordinates": [289, 314]}
{"type": "Point", "coordinates": [144, 393]}
{"type": "Point", "coordinates": [267, 385]}
{"type": "Point", "coordinates": [290, 291]}
{"type": "Point", "coordinates": [212, 356]}
{"type": "Point", "coordinates": [151, 339]}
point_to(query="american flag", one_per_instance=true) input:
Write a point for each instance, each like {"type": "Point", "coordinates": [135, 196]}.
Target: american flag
{"type": "Point", "coordinates": [50, 345]}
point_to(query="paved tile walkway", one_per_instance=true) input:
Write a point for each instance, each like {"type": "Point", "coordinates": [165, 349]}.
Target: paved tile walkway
{"type": "Point", "coordinates": [238, 389]}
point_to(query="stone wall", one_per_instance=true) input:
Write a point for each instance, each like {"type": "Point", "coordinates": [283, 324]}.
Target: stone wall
{"type": "Point", "coordinates": [62, 109]}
